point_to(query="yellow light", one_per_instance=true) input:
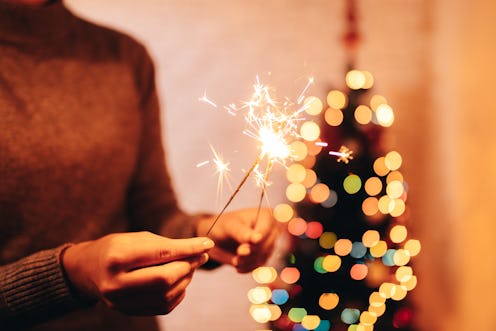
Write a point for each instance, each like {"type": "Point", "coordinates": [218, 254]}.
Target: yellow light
{"type": "Point", "coordinates": [313, 147]}
{"type": "Point", "coordinates": [376, 299]}
{"type": "Point", "coordinates": [363, 114]}
{"type": "Point", "coordinates": [260, 313]}
{"type": "Point", "coordinates": [275, 312]}
{"type": "Point", "coordinates": [264, 275]}
{"type": "Point", "coordinates": [310, 322]}
{"type": "Point", "coordinates": [296, 173]}
{"type": "Point", "coordinates": [283, 212]}
{"type": "Point", "coordinates": [395, 189]}
{"type": "Point", "coordinates": [369, 79]}
{"type": "Point", "coordinates": [333, 116]}
{"type": "Point", "coordinates": [373, 186]}
{"type": "Point", "coordinates": [387, 289]}
{"type": "Point", "coordinates": [410, 284]}
{"type": "Point", "coordinates": [310, 131]}
{"type": "Point", "coordinates": [393, 160]}
{"type": "Point", "coordinates": [413, 247]}
{"type": "Point", "coordinates": [398, 233]}
{"type": "Point", "coordinates": [298, 150]}
{"type": "Point", "coordinates": [399, 208]}
{"type": "Point", "coordinates": [377, 100]}
{"type": "Point", "coordinates": [328, 301]}
{"type": "Point", "coordinates": [368, 318]}
{"type": "Point", "coordinates": [259, 295]}
{"type": "Point", "coordinates": [312, 105]}
{"type": "Point", "coordinates": [337, 99]}
{"type": "Point", "coordinates": [386, 204]}
{"type": "Point", "coordinates": [295, 192]}
{"type": "Point", "coordinates": [378, 310]}
{"type": "Point", "coordinates": [371, 238]}
{"type": "Point", "coordinates": [355, 79]}
{"type": "Point", "coordinates": [404, 273]}
{"type": "Point", "coordinates": [379, 249]}
{"type": "Point", "coordinates": [331, 263]}
{"type": "Point", "coordinates": [399, 293]}
{"type": "Point", "coordinates": [385, 115]}
{"type": "Point", "coordinates": [401, 257]}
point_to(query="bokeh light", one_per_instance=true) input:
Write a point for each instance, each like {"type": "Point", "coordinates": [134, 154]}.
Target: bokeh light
{"type": "Point", "coordinates": [310, 322]}
{"type": "Point", "coordinates": [259, 294]}
{"type": "Point", "coordinates": [327, 240]}
{"type": "Point", "coordinates": [319, 193]}
{"type": "Point", "coordinates": [376, 101]}
{"type": "Point", "coordinates": [370, 238]}
{"type": "Point", "coordinates": [296, 314]}
{"type": "Point", "coordinates": [298, 150]}
{"type": "Point", "coordinates": [296, 192]}
{"type": "Point", "coordinates": [355, 79]}
{"type": "Point", "coordinates": [363, 114]}
{"type": "Point", "coordinates": [359, 271]}
{"type": "Point", "coordinates": [337, 99]}
{"type": "Point", "coordinates": [393, 160]}
{"type": "Point", "coordinates": [279, 296]}
{"type": "Point", "coordinates": [373, 186]}
{"type": "Point", "coordinates": [312, 105]}
{"type": "Point", "coordinates": [297, 226]}
{"type": "Point", "coordinates": [314, 230]}
{"type": "Point", "coordinates": [333, 116]}
{"type": "Point", "coordinates": [370, 206]}
{"type": "Point", "coordinates": [343, 247]}
{"type": "Point", "coordinates": [328, 301]}
{"type": "Point", "coordinates": [352, 184]}
{"type": "Point", "coordinates": [296, 173]}
{"type": "Point", "coordinates": [350, 315]}
{"type": "Point", "coordinates": [380, 166]}
{"type": "Point", "coordinates": [310, 178]}
{"type": "Point", "coordinates": [398, 233]}
{"type": "Point", "coordinates": [264, 275]}
{"type": "Point", "coordinates": [331, 263]}
{"type": "Point", "coordinates": [385, 115]}
{"type": "Point", "coordinates": [310, 131]}
{"type": "Point", "coordinates": [283, 212]}
{"type": "Point", "coordinates": [290, 275]}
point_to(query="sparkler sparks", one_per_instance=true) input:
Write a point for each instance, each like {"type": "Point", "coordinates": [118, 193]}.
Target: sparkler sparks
{"type": "Point", "coordinates": [274, 125]}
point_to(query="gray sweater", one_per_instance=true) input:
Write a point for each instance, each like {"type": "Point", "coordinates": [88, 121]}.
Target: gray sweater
{"type": "Point", "coordinates": [81, 156]}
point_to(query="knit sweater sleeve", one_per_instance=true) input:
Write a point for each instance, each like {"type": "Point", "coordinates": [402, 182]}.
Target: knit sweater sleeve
{"type": "Point", "coordinates": [152, 202]}
{"type": "Point", "coordinates": [34, 289]}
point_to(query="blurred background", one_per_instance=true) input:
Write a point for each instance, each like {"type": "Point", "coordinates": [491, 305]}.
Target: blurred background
{"type": "Point", "coordinates": [433, 60]}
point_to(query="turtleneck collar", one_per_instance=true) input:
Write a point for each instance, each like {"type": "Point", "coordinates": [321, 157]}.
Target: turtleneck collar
{"type": "Point", "coordinates": [24, 24]}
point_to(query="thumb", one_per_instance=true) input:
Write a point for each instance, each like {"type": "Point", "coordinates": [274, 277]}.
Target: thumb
{"type": "Point", "coordinates": [155, 250]}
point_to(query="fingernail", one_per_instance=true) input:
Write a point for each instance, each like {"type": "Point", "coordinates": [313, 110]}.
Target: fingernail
{"type": "Point", "coordinates": [208, 243]}
{"type": "Point", "coordinates": [204, 258]}
{"type": "Point", "coordinates": [244, 250]}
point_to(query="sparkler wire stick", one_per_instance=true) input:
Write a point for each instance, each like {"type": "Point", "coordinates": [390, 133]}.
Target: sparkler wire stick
{"type": "Point", "coordinates": [248, 173]}
{"type": "Point", "coordinates": [262, 193]}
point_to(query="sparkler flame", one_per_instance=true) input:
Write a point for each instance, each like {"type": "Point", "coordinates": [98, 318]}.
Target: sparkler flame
{"type": "Point", "coordinates": [274, 124]}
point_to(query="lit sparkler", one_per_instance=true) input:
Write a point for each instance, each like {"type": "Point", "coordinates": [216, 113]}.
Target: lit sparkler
{"type": "Point", "coordinates": [274, 124]}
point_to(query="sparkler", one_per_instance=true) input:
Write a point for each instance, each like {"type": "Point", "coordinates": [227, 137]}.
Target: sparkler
{"type": "Point", "coordinates": [274, 125]}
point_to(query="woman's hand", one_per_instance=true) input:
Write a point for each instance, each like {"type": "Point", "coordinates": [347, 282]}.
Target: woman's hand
{"type": "Point", "coordinates": [136, 273]}
{"type": "Point", "coordinates": [241, 239]}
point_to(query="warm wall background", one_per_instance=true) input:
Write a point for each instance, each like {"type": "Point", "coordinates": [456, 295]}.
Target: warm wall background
{"type": "Point", "coordinates": [433, 60]}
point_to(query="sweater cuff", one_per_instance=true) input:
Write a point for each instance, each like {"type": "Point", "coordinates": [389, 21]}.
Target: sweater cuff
{"type": "Point", "coordinates": [35, 289]}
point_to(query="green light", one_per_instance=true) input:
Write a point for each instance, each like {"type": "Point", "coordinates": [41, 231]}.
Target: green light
{"type": "Point", "coordinates": [297, 314]}
{"type": "Point", "coordinates": [352, 184]}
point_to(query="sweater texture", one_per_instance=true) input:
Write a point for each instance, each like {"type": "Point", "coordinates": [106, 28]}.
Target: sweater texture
{"type": "Point", "coordinates": [81, 156]}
